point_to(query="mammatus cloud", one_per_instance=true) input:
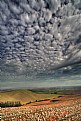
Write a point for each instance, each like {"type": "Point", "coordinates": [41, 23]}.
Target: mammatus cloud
{"type": "Point", "coordinates": [39, 35]}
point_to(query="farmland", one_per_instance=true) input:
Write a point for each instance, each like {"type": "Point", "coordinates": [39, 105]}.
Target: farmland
{"type": "Point", "coordinates": [24, 96]}
{"type": "Point", "coordinates": [66, 108]}
{"type": "Point", "coordinates": [42, 105]}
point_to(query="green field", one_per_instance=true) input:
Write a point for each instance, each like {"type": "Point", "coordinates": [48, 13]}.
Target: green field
{"type": "Point", "coordinates": [24, 96]}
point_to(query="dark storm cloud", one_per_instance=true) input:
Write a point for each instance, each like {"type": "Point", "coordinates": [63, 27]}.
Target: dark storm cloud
{"type": "Point", "coordinates": [39, 35]}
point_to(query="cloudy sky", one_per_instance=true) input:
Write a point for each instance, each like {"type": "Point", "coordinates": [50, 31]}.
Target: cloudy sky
{"type": "Point", "coordinates": [40, 43]}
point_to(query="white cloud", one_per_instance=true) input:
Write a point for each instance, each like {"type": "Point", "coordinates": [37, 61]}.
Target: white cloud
{"type": "Point", "coordinates": [51, 33]}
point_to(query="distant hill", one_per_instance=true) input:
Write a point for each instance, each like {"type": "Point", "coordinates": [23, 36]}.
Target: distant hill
{"type": "Point", "coordinates": [24, 96]}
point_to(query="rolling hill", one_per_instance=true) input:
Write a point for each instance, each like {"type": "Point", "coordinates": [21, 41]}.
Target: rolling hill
{"type": "Point", "coordinates": [24, 96]}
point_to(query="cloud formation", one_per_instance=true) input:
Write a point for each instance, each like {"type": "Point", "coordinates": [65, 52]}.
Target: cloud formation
{"type": "Point", "coordinates": [39, 34]}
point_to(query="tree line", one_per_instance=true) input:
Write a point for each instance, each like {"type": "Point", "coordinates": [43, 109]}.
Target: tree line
{"type": "Point", "coordinates": [10, 104]}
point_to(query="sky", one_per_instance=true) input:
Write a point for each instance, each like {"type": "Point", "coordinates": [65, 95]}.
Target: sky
{"type": "Point", "coordinates": [40, 43]}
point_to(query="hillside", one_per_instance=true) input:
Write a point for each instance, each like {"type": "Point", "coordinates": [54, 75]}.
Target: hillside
{"type": "Point", "coordinates": [24, 96]}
